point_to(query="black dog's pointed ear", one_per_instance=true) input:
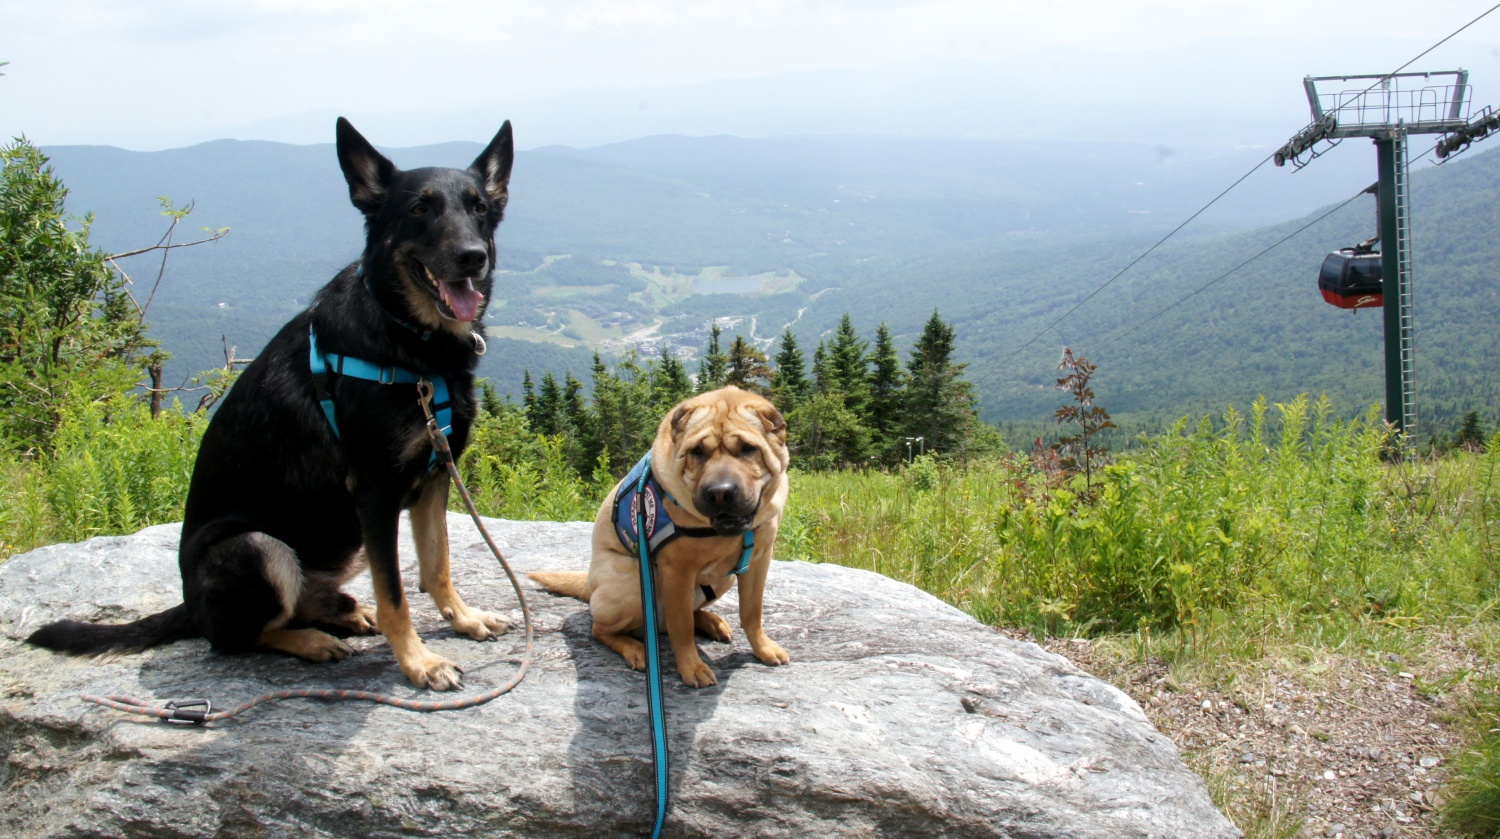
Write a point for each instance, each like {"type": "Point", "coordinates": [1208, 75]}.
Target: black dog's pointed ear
{"type": "Point", "coordinates": [493, 165]}
{"type": "Point", "coordinates": [368, 172]}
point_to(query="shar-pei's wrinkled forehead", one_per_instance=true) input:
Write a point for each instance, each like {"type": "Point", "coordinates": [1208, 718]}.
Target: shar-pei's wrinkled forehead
{"type": "Point", "coordinates": [726, 426]}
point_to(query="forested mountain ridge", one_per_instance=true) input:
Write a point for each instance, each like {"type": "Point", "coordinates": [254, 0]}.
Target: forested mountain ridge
{"type": "Point", "coordinates": [652, 238]}
{"type": "Point", "coordinates": [1261, 330]}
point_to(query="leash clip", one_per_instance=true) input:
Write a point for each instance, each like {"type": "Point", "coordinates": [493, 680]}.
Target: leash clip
{"type": "Point", "coordinates": [188, 711]}
{"type": "Point", "coordinates": [441, 452]}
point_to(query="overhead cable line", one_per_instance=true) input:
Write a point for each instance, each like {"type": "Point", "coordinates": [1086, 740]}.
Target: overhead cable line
{"type": "Point", "coordinates": [1147, 253]}
{"type": "Point", "coordinates": [1278, 243]}
{"type": "Point", "coordinates": [1263, 252]}
{"type": "Point", "coordinates": [1215, 200]}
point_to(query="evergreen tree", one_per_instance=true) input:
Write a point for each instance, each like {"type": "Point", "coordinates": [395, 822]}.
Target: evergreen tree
{"type": "Point", "coordinates": [940, 405]}
{"type": "Point", "coordinates": [851, 368]}
{"type": "Point", "coordinates": [824, 380]}
{"type": "Point", "coordinates": [580, 446]}
{"type": "Point", "coordinates": [573, 408]}
{"type": "Point", "coordinates": [829, 426]}
{"type": "Point", "coordinates": [789, 385]}
{"type": "Point", "coordinates": [748, 368]}
{"type": "Point", "coordinates": [887, 390]}
{"type": "Point", "coordinates": [824, 434]}
{"type": "Point", "coordinates": [528, 400]}
{"type": "Point", "coordinates": [714, 369]}
{"type": "Point", "coordinates": [604, 409]}
{"type": "Point", "coordinates": [670, 383]}
{"type": "Point", "coordinates": [489, 399]}
{"type": "Point", "coordinates": [548, 419]}
{"type": "Point", "coordinates": [623, 415]}
{"type": "Point", "coordinates": [1470, 435]}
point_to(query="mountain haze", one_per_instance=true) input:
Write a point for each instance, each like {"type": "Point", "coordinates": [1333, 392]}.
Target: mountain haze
{"type": "Point", "coordinates": [1230, 90]}
{"type": "Point", "coordinates": [641, 243]}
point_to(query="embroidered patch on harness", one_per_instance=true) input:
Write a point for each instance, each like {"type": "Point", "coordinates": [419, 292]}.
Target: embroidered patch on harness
{"type": "Point", "coordinates": [633, 501]}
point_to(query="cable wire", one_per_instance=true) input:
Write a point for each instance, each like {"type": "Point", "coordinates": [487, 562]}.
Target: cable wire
{"type": "Point", "coordinates": [1184, 299]}
{"type": "Point", "coordinates": [1268, 249]}
{"type": "Point", "coordinates": [1215, 200]}
{"type": "Point", "coordinates": [1133, 262]}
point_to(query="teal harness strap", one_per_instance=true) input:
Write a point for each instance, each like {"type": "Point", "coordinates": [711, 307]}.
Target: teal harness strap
{"type": "Point", "coordinates": [659, 754]}
{"type": "Point", "coordinates": [749, 543]}
{"type": "Point", "coordinates": [638, 515]}
{"type": "Point", "coordinates": [321, 364]}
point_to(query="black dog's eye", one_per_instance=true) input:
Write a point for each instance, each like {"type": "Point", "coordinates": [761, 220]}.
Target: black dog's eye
{"type": "Point", "coordinates": [481, 208]}
{"type": "Point", "coordinates": [418, 209]}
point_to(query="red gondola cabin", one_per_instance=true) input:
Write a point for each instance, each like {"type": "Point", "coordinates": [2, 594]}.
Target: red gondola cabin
{"type": "Point", "coordinates": [1350, 279]}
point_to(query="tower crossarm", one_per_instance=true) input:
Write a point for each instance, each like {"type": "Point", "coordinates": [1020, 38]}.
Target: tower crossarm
{"type": "Point", "coordinates": [1478, 128]}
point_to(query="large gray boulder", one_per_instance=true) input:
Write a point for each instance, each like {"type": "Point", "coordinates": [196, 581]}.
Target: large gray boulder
{"type": "Point", "coordinates": [899, 716]}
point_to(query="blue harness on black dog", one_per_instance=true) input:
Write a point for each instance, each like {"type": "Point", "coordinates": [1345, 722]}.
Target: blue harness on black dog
{"type": "Point", "coordinates": [321, 364]}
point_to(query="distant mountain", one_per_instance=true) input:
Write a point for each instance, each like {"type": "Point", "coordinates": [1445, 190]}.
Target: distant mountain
{"type": "Point", "coordinates": [1242, 90]}
{"type": "Point", "coordinates": [640, 243]}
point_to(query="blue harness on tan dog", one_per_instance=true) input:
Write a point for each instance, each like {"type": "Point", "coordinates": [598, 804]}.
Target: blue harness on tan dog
{"type": "Point", "coordinates": [638, 506]}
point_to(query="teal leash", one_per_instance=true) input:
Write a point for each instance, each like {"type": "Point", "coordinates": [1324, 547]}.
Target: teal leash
{"type": "Point", "coordinates": [653, 666]}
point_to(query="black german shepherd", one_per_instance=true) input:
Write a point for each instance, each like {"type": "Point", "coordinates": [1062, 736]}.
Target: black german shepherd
{"type": "Point", "coordinates": [284, 505]}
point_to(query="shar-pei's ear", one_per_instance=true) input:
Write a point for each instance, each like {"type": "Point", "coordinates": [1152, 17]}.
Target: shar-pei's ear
{"type": "Point", "coordinates": [773, 421]}
{"type": "Point", "coordinates": [680, 420]}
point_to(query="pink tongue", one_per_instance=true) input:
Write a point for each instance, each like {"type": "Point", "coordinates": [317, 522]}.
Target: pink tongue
{"type": "Point", "coordinates": [463, 299]}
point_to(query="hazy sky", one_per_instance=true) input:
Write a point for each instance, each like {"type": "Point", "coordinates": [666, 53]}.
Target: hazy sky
{"type": "Point", "coordinates": [147, 73]}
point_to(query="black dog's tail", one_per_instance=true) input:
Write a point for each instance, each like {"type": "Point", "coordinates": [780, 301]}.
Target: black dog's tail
{"type": "Point", "coordinates": [79, 638]}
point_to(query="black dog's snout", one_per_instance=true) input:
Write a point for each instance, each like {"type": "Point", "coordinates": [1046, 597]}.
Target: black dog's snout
{"type": "Point", "coordinates": [470, 260]}
{"type": "Point", "coordinates": [721, 497]}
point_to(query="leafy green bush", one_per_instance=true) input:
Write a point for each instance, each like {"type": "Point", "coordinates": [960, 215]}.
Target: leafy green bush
{"type": "Point", "coordinates": [112, 469]}
{"type": "Point", "coordinates": [515, 474]}
{"type": "Point", "coordinates": [68, 327]}
{"type": "Point", "coordinates": [1194, 526]}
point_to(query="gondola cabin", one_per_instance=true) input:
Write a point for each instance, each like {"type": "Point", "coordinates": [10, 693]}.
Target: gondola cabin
{"type": "Point", "coordinates": [1350, 279]}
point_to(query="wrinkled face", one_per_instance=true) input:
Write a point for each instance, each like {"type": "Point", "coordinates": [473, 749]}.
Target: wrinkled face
{"type": "Point", "coordinates": [730, 448]}
{"type": "Point", "coordinates": [432, 231]}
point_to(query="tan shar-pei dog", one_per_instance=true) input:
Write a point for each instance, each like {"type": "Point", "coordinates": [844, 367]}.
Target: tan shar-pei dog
{"type": "Point", "coordinates": [712, 489]}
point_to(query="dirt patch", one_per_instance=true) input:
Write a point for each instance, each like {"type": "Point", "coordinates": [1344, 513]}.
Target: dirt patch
{"type": "Point", "coordinates": [1346, 747]}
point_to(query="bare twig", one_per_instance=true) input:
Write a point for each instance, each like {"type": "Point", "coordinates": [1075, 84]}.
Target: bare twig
{"type": "Point", "coordinates": [215, 236]}
{"type": "Point", "coordinates": [166, 246]}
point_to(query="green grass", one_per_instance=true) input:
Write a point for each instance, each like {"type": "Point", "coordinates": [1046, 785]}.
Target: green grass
{"type": "Point", "coordinates": [1213, 526]}
{"type": "Point", "coordinates": [113, 469]}
{"type": "Point", "coordinates": [1474, 806]}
